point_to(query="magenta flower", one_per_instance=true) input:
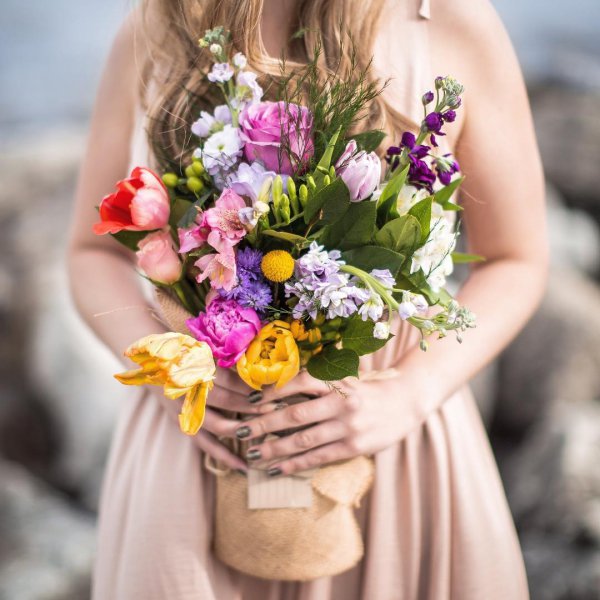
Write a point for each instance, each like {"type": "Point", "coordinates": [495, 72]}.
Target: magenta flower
{"type": "Point", "coordinates": [279, 135]}
{"type": "Point", "coordinates": [227, 328]}
{"type": "Point", "coordinates": [360, 171]}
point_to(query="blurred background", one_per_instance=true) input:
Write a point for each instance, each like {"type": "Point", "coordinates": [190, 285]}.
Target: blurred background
{"type": "Point", "coordinates": [58, 400]}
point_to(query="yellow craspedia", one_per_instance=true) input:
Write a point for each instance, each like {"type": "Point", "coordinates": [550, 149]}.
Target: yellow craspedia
{"type": "Point", "coordinates": [277, 265]}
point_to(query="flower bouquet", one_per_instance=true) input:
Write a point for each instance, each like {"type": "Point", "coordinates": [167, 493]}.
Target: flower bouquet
{"type": "Point", "coordinates": [282, 246]}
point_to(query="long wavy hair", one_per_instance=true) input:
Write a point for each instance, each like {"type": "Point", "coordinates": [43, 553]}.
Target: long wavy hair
{"type": "Point", "coordinates": [175, 88]}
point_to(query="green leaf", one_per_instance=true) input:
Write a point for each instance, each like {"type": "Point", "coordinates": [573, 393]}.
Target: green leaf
{"type": "Point", "coordinates": [400, 235]}
{"type": "Point", "coordinates": [443, 196]}
{"type": "Point", "coordinates": [462, 257]}
{"type": "Point", "coordinates": [130, 238]}
{"type": "Point", "coordinates": [422, 212]}
{"type": "Point", "coordinates": [369, 141]}
{"type": "Point", "coordinates": [179, 207]}
{"type": "Point", "coordinates": [325, 161]}
{"type": "Point", "coordinates": [386, 205]}
{"type": "Point", "coordinates": [374, 257]}
{"type": "Point", "coordinates": [334, 199]}
{"type": "Point", "coordinates": [188, 216]}
{"type": "Point", "coordinates": [358, 336]}
{"type": "Point", "coordinates": [333, 364]}
{"type": "Point", "coordinates": [417, 283]}
{"type": "Point", "coordinates": [285, 235]}
{"type": "Point", "coordinates": [354, 228]}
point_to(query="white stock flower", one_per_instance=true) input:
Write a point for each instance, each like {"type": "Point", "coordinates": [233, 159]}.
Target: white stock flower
{"type": "Point", "coordinates": [221, 150]}
{"type": "Point", "coordinates": [248, 88]}
{"type": "Point", "coordinates": [220, 73]}
{"type": "Point", "coordinates": [239, 60]}
{"type": "Point", "coordinates": [411, 305]}
{"type": "Point", "coordinates": [372, 308]}
{"type": "Point", "coordinates": [434, 258]}
{"type": "Point", "coordinates": [250, 215]}
{"type": "Point", "coordinates": [208, 123]}
{"type": "Point", "coordinates": [215, 48]}
{"type": "Point", "coordinates": [381, 331]}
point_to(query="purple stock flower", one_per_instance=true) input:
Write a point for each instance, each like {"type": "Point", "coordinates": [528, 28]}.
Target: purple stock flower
{"type": "Point", "coordinates": [427, 98]}
{"type": "Point", "coordinates": [446, 167]}
{"type": "Point", "coordinates": [419, 173]}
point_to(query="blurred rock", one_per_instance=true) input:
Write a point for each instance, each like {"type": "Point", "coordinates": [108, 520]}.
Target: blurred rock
{"type": "Point", "coordinates": [569, 137]}
{"type": "Point", "coordinates": [574, 235]}
{"type": "Point", "coordinates": [556, 357]}
{"type": "Point", "coordinates": [46, 545]}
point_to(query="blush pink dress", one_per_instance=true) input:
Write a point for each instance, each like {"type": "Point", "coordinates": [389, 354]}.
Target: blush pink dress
{"type": "Point", "coordinates": [436, 523]}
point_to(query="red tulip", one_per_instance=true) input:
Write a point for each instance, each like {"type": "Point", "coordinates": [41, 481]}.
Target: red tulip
{"type": "Point", "coordinates": [141, 203]}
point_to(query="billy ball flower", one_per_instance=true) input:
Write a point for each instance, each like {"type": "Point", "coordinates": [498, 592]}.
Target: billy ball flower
{"type": "Point", "coordinates": [277, 265]}
{"type": "Point", "coordinates": [271, 358]}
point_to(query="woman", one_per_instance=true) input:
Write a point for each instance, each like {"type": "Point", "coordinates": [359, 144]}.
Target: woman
{"type": "Point", "coordinates": [436, 524]}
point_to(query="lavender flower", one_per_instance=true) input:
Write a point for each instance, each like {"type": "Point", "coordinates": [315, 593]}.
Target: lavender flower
{"type": "Point", "coordinates": [385, 277]}
{"type": "Point", "coordinates": [220, 73]}
{"type": "Point", "coordinates": [446, 166]}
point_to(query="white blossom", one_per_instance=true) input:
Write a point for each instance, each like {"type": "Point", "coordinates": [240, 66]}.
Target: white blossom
{"type": "Point", "coordinates": [208, 123]}
{"type": "Point", "coordinates": [381, 331]}
{"type": "Point", "coordinates": [221, 151]}
{"type": "Point", "coordinates": [220, 73]}
{"type": "Point", "coordinates": [239, 60]}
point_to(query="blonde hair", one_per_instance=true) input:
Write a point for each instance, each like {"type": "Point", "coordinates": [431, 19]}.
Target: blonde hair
{"type": "Point", "coordinates": [176, 88]}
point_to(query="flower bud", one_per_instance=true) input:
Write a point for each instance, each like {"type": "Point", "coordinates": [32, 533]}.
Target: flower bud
{"type": "Point", "coordinates": [195, 185]}
{"type": "Point", "coordinates": [170, 180]}
{"type": "Point", "coordinates": [303, 195]}
{"type": "Point", "coordinates": [427, 98]}
{"type": "Point", "coordinates": [198, 167]}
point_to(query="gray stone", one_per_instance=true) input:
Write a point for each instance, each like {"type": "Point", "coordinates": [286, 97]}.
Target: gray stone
{"type": "Point", "coordinates": [46, 545]}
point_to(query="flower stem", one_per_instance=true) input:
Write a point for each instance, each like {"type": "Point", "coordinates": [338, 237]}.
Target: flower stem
{"type": "Point", "coordinates": [177, 287]}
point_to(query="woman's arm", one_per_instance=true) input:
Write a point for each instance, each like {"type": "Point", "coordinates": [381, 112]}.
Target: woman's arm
{"type": "Point", "coordinates": [104, 285]}
{"type": "Point", "coordinates": [504, 217]}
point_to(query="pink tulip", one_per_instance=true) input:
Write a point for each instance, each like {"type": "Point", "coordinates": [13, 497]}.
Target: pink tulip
{"type": "Point", "coordinates": [262, 126]}
{"type": "Point", "coordinates": [157, 258]}
{"type": "Point", "coordinates": [360, 171]}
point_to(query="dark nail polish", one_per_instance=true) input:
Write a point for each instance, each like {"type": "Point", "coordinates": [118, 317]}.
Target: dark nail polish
{"type": "Point", "coordinates": [253, 454]}
{"type": "Point", "coordinates": [255, 396]}
{"type": "Point", "coordinates": [274, 471]}
{"type": "Point", "coordinates": [243, 432]}
{"type": "Point", "coordinates": [241, 472]}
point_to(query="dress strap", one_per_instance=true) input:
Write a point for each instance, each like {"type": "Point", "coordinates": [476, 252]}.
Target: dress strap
{"type": "Point", "coordinates": [425, 10]}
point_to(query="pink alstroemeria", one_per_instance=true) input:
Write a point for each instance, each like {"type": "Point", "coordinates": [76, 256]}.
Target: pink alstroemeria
{"type": "Point", "coordinates": [220, 225]}
{"type": "Point", "coordinates": [219, 268]}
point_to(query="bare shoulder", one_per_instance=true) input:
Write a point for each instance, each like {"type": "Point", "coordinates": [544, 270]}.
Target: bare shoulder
{"type": "Point", "coordinates": [469, 39]}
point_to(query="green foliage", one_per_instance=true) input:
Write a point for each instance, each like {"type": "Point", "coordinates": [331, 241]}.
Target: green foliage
{"type": "Point", "coordinates": [354, 228]}
{"type": "Point", "coordinates": [386, 205]}
{"type": "Point", "coordinates": [462, 257]}
{"type": "Point", "coordinates": [183, 212]}
{"type": "Point", "coordinates": [285, 235]}
{"type": "Point", "coordinates": [130, 238]}
{"type": "Point", "coordinates": [369, 141]}
{"type": "Point", "coordinates": [333, 364]}
{"type": "Point", "coordinates": [401, 235]}
{"type": "Point", "coordinates": [358, 336]}
{"type": "Point", "coordinates": [443, 196]}
{"type": "Point", "coordinates": [368, 258]}
{"type": "Point", "coordinates": [333, 198]}
{"type": "Point", "coordinates": [422, 212]}
{"type": "Point", "coordinates": [337, 100]}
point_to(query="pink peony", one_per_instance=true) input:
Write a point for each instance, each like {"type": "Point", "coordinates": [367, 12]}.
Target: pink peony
{"type": "Point", "coordinates": [227, 328]}
{"type": "Point", "coordinates": [157, 258]}
{"type": "Point", "coordinates": [360, 171]}
{"type": "Point", "coordinates": [219, 268]}
{"type": "Point", "coordinates": [263, 126]}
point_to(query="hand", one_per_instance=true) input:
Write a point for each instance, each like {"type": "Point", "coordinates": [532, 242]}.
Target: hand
{"type": "Point", "coordinates": [362, 417]}
{"type": "Point", "coordinates": [230, 394]}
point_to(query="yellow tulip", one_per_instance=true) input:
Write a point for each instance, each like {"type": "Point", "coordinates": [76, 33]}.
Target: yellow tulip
{"type": "Point", "coordinates": [271, 358]}
{"type": "Point", "coordinates": [182, 365]}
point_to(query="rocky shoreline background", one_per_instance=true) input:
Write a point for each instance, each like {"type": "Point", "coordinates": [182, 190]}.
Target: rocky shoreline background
{"type": "Point", "coordinates": [540, 400]}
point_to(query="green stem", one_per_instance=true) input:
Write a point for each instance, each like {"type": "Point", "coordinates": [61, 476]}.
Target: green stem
{"type": "Point", "coordinates": [177, 287]}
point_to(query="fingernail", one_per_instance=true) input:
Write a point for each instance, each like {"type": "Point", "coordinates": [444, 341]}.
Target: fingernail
{"type": "Point", "coordinates": [274, 471]}
{"type": "Point", "coordinates": [255, 396]}
{"type": "Point", "coordinates": [242, 432]}
{"type": "Point", "coordinates": [242, 472]}
{"type": "Point", "coordinates": [281, 405]}
{"type": "Point", "coordinates": [253, 454]}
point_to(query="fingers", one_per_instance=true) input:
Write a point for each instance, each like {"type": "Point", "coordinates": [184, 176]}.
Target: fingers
{"type": "Point", "coordinates": [317, 457]}
{"type": "Point", "coordinates": [230, 380]}
{"type": "Point", "coordinates": [223, 398]}
{"type": "Point", "coordinates": [296, 415]}
{"type": "Point", "coordinates": [207, 443]}
{"type": "Point", "coordinates": [219, 425]}
{"type": "Point", "coordinates": [296, 443]}
{"type": "Point", "coordinates": [303, 383]}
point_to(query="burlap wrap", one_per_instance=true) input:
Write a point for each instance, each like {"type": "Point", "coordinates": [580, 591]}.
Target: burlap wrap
{"type": "Point", "coordinates": [292, 544]}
